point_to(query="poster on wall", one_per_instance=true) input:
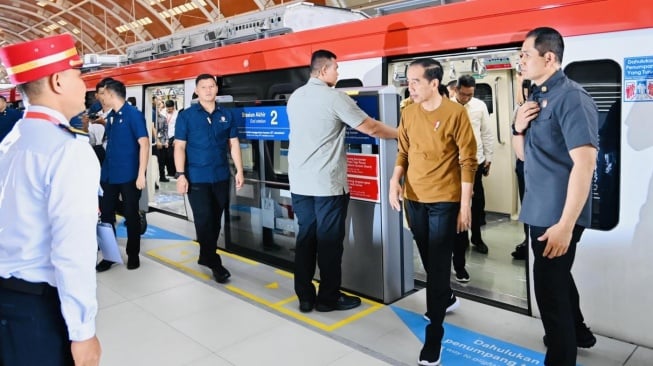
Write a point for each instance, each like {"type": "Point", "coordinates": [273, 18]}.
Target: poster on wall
{"type": "Point", "coordinates": [363, 177]}
{"type": "Point", "coordinates": [638, 79]}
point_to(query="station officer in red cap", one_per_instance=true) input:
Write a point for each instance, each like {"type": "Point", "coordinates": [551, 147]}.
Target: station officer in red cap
{"type": "Point", "coordinates": [48, 214]}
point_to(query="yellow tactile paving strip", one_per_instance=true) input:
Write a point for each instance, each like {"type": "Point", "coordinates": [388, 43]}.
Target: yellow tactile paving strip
{"type": "Point", "coordinates": [275, 293]}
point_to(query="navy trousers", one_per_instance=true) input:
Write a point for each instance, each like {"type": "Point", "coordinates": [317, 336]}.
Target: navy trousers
{"type": "Point", "coordinates": [32, 329]}
{"type": "Point", "coordinates": [321, 233]}
{"type": "Point", "coordinates": [208, 201]}
{"type": "Point", "coordinates": [130, 197]}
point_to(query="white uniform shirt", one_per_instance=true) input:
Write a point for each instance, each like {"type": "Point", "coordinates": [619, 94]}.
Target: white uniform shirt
{"type": "Point", "coordinates": [48, 214]}
{"type": "Point", "coordinates": [172, 120]}
{"type": "Point", "coordinates": [95, 133]}
{"type": "Point", "coordinates": [480, 118]}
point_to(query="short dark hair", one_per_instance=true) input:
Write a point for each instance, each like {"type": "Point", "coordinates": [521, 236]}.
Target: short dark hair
{"type": "Point", "coordinates": [548, 40]}
{"type": "Point", "coordinates": [452, 84]}
{"type": "Point", "coordinates": [205, 77]}
{"type": "Point", "coordinates": [320, 58]}
{"type": "Point", "coordinates": [117, 87]}
{"type": "Point", "coordinates": [170, 103]}
{"type": "Point", "coordinates": [466, 81]}
{"type": "Point", "coordinates": [102, 83]}
{"type": "Point", "coordinates": [132, 101]}
{"type": "Point", "coordinates": [432, 70]}
{"type": "Point", "coordinates": [3, 98]}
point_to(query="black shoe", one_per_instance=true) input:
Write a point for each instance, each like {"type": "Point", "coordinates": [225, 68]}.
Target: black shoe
{"type": "Point", "coordinates": [584, 337]}
{"type": "Point", "coordinates": [452, 305]}
{"type": "Point", "coordinates": [429, 357]}
{"type": "Point", "coordinates": [156, 186]}
{"type": "Point", "coordinates": [344, 302]}
{"type": "Point", "coordinates": [164, 179]}
{"type": "Point", "coordinates": [462, 275]}
{"type": "Point", "coordinates": [306, 306]}
{"type": "Point", "coordinates": [104, 265]}
{"type": "Point", "coordinates": [480, 246]}
{"type": "Point", "coordinates": [521, 251]}
{"type": "Point", "coordinates": [220, 274]}
{"type": "Point", "coordinates": [133, 262]}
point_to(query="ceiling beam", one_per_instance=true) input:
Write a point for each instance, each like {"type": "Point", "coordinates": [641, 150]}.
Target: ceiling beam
{"type": "Point", "coordinates": [34, 27]}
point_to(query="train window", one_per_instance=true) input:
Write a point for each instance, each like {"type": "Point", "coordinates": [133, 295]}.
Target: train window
{"type": "Point", "coordinates": [349, 83]}
{"type": "Point", "coordinates": [602, 80]}
{"type": "Point", "coordinates": [484, 92]}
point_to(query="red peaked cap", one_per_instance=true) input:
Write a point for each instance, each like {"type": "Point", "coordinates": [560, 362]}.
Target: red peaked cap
{"type": "Point", "coordinates": [29, 61]}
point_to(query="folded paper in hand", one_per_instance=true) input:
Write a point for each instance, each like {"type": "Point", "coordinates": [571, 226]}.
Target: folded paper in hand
{"type": "Point", "coordinates": [107, 242]}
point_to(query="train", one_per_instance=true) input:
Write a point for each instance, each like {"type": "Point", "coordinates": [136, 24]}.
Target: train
{"type": "Point", "coordinates": [608, 51]}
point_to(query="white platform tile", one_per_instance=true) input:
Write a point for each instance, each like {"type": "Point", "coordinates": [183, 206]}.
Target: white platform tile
{"type": "Point", "coordinates": [227, 325]}
{"type": "Point", "coordinates": [131, 336]}
{"type": "Point", "coordinates": [641, 357]}
{"type": "Point", "coordinates": [182, 301]}
{"type": "Point", "coordinates": [287, 344]}
{"type": "Point", "coordinates": [358, 359]}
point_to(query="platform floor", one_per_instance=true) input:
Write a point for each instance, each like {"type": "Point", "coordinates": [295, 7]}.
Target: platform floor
{"type": "Point", "coordinates": [170, 312]}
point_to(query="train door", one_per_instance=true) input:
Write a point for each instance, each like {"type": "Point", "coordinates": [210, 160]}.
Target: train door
{"type": "Point", "coordinates": [161, 118]}
{"type": "Point", "coordinates": [495, 276]}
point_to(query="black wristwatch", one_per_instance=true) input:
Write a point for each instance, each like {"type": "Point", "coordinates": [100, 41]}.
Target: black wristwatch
{"type": "Point", "coordinates": [179, 174]}
{"type": "Point", "coordinates": [515, 133]}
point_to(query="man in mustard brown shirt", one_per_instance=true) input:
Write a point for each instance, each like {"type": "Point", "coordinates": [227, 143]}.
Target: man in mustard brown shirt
{"type": "Point", "coordinates": [437, 157]}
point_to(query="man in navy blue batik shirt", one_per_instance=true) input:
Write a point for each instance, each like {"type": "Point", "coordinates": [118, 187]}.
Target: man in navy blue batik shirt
{"type": "Point", "coordinates": [203, 134]}
{"type": "Point", "coordinates": [123, 169]}
{"type": "Point", "coordinates": [8, 117]}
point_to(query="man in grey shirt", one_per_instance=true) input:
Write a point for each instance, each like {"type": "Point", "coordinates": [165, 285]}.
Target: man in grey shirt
{"type": "Point", "coordinates": [318, 116]}
{"type": "Point", "coordinates": [556, 135]}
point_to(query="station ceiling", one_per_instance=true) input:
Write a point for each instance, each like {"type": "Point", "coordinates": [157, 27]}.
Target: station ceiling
{"type": "Point", "coordinates": [110, 26]}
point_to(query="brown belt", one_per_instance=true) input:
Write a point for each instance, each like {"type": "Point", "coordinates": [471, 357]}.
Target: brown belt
{"type": "Point", "coordinates": [18, 285]}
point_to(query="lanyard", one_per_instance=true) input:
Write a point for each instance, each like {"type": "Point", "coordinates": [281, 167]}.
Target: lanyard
{"type": "Point", "coordinates": [43, 116]}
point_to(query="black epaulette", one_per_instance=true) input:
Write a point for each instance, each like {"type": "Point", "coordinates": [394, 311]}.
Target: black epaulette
{"type": "Point", "coordinates": [75, 132]}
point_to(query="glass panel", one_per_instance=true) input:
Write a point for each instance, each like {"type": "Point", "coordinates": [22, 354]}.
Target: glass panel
{"type": "Point", "coordinates": [602, 80]}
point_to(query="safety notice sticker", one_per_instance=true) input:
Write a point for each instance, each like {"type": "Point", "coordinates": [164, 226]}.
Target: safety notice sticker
{"type": "Point", "coordinates": [638, 79]}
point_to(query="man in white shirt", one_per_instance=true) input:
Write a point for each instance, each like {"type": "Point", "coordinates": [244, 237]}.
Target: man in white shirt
{"type": "Point", "coordinates": [480, 119]}
{"type": "Point", "coordinates": [48, 213]}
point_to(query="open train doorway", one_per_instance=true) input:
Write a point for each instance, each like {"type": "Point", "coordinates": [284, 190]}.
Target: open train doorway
{"type": "Point", "coordinates": [162, 105]}
{"type": "Point", "coordinates": [494, 277]}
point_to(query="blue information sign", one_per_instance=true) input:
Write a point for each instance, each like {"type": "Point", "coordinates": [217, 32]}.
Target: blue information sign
{"type": "Point", "coordinates": [262, 122]}
{"type": "Point", "coordinates": [370, 105]}
{"type": "Point", "coordinates": [638, 79]}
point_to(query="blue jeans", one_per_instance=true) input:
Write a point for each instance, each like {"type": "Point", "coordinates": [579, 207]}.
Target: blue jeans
{"type": "Point", "coordinates": [321, 233]}
{"type": "Point", "coordinates": [434, 229]}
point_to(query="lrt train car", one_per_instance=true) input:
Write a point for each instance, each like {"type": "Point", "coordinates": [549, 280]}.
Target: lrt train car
{"type": "Point", "coordinates": [608, 51]}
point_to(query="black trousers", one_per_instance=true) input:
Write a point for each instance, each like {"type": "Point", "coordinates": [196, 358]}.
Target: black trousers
{"type": "Point", "coordinates": [434, 228]}
{"type": "Point", "coordinates": [32, 329]}
{"type": "Point", "coordinates": [521, 183]}
{"type": "Point", "coordinates": [478, 219]}
{"type": "Point", "coordinates": [162, 155]}
{"type": "Point", "coordinates": [130, 198]}
{"type": "Point", "coordinates": [478, 205]}
{"type": "Point", "coordinates": [321, 233]}
{"type": "Point", "coordinates": [208, 201]}
{"type": "Point", "coordinates": [557, 298]}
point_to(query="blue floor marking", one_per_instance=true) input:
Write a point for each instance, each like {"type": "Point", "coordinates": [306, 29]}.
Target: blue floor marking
{"type": "Point", "coordinates": [152, 232]}
{"type": "Point", "coordinates": [464, 347]}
